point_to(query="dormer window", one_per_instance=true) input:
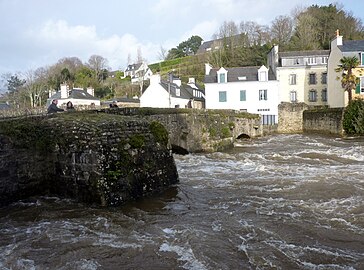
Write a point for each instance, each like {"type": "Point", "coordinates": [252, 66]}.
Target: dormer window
{"type": "Point", "coordinates": [311, 61]}
{"type": "Point", "coordinates": [222, 78]}
{"type": "Point", "coordinates": [222, 75]}
{"type": "Point", "coordinates": [263, 74]}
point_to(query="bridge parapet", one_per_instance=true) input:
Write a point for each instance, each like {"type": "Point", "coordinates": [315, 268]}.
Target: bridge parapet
{"type": "Point", "coordinates": [192, 130]}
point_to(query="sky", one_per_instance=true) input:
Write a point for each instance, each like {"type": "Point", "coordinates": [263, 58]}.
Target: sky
{"type": "Point", "coordinates": [37, 33]}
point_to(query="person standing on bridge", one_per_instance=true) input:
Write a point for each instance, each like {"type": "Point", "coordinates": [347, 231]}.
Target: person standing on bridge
{"type": "Point", "coordinates": [53, 107]}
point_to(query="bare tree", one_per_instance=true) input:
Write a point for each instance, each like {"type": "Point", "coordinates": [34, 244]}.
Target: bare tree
{"type": "Point", "coordinates": [162, 54]}
{"type": "Point", "coordinates": [35, 87]}
{"type": "Point", "coordinates": [139, 59]}
{"type": "Point", "coordinates": [98, 64]}
{"type": "Point", "coordinates": [255, 33]}
{"type": "Point", "coordinates": [227, 29]}
{"type": "Point", "coordinates": [282, 29]}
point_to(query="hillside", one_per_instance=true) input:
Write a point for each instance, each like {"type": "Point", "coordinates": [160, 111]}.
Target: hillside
{"type": "Point", "coordinates": [184, 67]}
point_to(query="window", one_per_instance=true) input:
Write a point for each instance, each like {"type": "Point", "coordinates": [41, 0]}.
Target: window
{"type": "Point", "coordinates": [324, 60]}
{"type": "Point", "coordinates": [311, 61]}
{"type": "Point", "coordinates": [312, 96]}
{"type": "Point", "coordinates": [222, 77]}
{"type": "Point", "coordinates": [324, 95]}
{"type": "Point", "coordinates": [292, 79]}
{"type": "Point", "coordinates": [293, 96]}
{"type": "Point", "coordinates": [222, 96]}
{"type": "Point", "coordinates": [242, 95]}
{"type": "Point", "coordinates": [362, 58]}
{"type": "Point", "coordinates": [312, 78]}
{"type": "Point", "coordinates": [324, 78]}
{"type": "Point", "coordinates": [263, 95]}
{"type": "Point", "coordinates": [263, 76]}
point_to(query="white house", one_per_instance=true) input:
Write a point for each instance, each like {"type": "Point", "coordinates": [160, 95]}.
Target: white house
{"type": "Point", "coordinates": [78, 97]}
{"type": "Point", "coordinates": [250, 89]}
{"type": "Point", "coordinates": [172, 94]}
{"type": "Point", "coordinates": [138, 72]}
{"type": "Point", "coordinates": [302, 75]}
{"type": "Point", "coordinates": [344, 48]}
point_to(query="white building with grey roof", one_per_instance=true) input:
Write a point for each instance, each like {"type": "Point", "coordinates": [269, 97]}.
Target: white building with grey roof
{"type": "Point", "coordinates": [250, 89]}
{"type": "Point", "coordinates": [172, 94]}
{"type": "Point", "coordinates": [78, 97]}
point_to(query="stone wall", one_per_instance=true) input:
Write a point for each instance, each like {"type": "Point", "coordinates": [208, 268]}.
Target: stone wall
{"type": "Point", "coordinates": [327, 121]}
{"type": "Point", "coordinates": [92, 157]}
{"type": "Point", "coordinates": [290, 117]}
{"type": "Point", "coordinates": [193, 130]}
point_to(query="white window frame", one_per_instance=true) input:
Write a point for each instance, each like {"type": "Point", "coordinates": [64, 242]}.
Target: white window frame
{"type": "Point", "coordinates": [263, 94]}
{"type": "Point", "coordinates": [292, 79]}
{"type": "Point", "coordinates": [311, 61]}
{"type": "Point", "coordinates": [293, 96]}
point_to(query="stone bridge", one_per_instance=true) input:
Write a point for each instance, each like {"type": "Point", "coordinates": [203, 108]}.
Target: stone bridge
{"type": "Point", "coordinates": [193, 130]}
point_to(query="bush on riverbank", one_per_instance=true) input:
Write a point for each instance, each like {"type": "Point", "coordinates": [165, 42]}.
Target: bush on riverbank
{"type": "Point", "coordinates": [353, 122]}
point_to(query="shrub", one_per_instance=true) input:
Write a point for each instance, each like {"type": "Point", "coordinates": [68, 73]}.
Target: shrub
{"type": "Point", "coordinates": [353, 122]}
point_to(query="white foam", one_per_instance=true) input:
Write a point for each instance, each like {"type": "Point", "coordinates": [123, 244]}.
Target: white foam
{"type": "Point", "coordinates": [185, 254]}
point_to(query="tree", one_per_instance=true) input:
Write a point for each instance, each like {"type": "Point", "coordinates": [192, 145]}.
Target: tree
{"type": "Point", "coordinates": [162, 54]}
{"type": "Point", "coordinates": [35, 87]}
{"type": "Point", "coordinates": [348, 78]}
{"type": "Point", "coordinates": [185, 48]}
{"type": "Point", "coordinates": [98, 63]}
{"type": "Point", "coordinates": [14, 83]}
{"type": "Point", "coordinates": [306, 33]}
{"type": "Point", "coordinates": [255, 33]}
{"type": "Point", "coordinates": [281, 30]}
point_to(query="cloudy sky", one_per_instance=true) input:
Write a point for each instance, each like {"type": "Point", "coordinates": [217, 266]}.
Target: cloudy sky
{"type": "Point", "coordinates": [37, 33]}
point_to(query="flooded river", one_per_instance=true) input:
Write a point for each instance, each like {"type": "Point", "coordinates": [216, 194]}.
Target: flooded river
{"type": "Point", "coordinates": [280, 202]}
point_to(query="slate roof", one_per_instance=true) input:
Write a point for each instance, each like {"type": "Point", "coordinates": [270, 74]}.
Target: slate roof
{"type": "Point", "coordinates": [4, 106]}
{"type": "Point", "coordinates": [186, 91]}
{"type": "Point", "coordinates": [352, 46]}
{"type": "Point", "coordinates": [133, 67]}
{"type": "Point", "coordinates": [75, 94]}
{"type": "Point", "coordinates": [304, 53]}
{"type": "Point", "coordinates": [251, 74]}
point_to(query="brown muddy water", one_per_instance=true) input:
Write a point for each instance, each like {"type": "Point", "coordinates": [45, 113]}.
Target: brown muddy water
{"type": "Point", "coordinates": [282, 202]}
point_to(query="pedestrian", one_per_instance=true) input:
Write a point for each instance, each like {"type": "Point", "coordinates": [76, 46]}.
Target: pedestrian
{"type": "Point", "coordinates": [69, 106]}
{"type": "Point", "coordinates": [53, 107]}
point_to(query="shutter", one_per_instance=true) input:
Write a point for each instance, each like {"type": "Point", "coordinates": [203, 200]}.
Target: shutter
{"type": "Point", "coordinates": [357, 89]}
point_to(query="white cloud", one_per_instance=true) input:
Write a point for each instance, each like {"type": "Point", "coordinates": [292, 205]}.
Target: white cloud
{"type": "Point", "coordinates": [58, 39]}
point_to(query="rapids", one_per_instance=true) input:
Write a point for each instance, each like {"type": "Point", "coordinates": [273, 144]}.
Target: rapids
{"type": "Point", "coordinates": [278, 202]}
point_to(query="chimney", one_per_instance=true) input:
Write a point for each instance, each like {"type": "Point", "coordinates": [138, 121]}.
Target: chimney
{"type": "Point", "coordinates": [51, 92]}
{"type": "Point", "coordinates": [64, 91]}
{"type": "Point", "coordinates": [177, 81]}
{"type": "Point", "coordinates": [191, 81]}
{"type": "Point", "coordinates": [90, 91]}
{"type": "Point", "coordinates": [155, 79]}
{"type": "Point", "coordinates": [338, 40]}
{"type": "Point", "coordinates": [208, 67]}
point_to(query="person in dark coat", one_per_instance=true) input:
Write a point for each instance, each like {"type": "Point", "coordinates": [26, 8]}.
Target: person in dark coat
{"type": "Point", "coordinates": [69, 106]}
{"type": "Point", "coordinates": [53, 107]}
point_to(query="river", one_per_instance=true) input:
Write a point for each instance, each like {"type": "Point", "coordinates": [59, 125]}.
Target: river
{"type": "Point", "coordinates": [278, 202]}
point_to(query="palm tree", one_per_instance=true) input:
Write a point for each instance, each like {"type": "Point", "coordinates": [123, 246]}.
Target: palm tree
{"type": "Point", "coordinates": [348, 80]}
